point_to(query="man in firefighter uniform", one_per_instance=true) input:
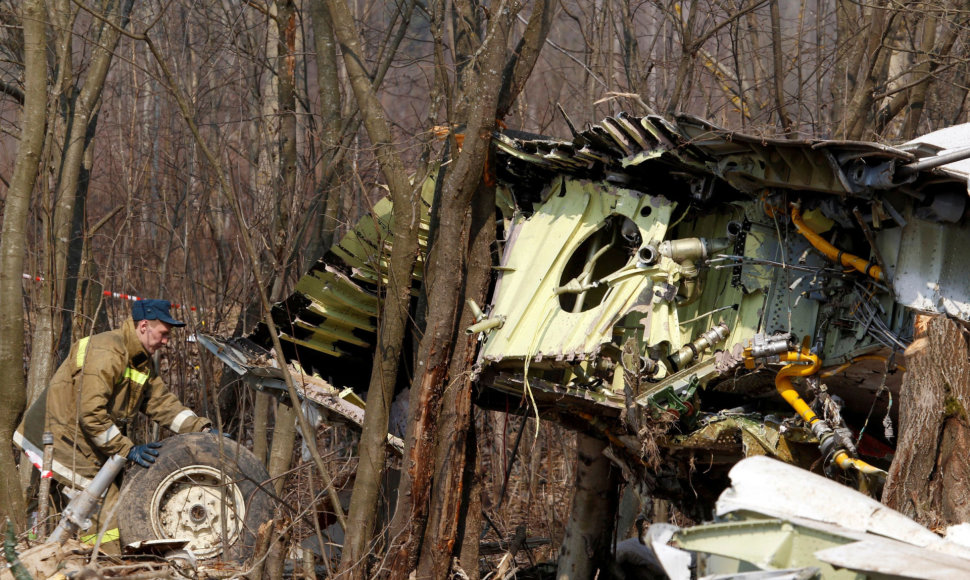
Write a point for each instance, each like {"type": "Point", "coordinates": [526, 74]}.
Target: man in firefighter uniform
{"type": "Point", "coordinates": [97, 390]}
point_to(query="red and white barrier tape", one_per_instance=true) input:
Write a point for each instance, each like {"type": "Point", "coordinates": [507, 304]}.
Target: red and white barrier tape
{"type": "Point", "coordinates": [119, 295]}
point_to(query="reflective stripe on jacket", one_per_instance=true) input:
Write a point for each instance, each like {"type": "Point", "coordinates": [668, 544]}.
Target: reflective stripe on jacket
{"type": "Point", "coordinates": [104, 382]}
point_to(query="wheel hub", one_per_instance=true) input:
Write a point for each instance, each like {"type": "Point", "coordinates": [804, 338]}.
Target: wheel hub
{"type": "Point", "coordinates": [196, 504]}
{"type": "Point", "coordinates": [198, 513]}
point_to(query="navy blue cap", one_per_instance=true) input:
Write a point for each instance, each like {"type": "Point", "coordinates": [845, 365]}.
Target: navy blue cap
{"type": "Point", "coordinates": [153, 309]}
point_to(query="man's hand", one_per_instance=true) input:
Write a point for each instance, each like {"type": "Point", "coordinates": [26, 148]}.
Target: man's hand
{"type": "Point", "coordinates": [144, 454]}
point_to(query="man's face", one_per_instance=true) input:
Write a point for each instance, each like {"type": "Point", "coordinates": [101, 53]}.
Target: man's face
{"type": "Point", "coordinates": [153, 334]}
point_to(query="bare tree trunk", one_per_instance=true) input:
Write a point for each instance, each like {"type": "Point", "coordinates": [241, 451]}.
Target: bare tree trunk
{"type": "Point", "coordinates": [83, 114]}
{"type": "Point", "coordinates": [397, 298]}
{"type": "Point", "coordinates": [281, 450]}
{"type": "Point", "coordinates": [427, 525]}
{"type": "Point", "coordinates": [284, 432]}
{"type": "Point", "coordinates": [908, 90]}
{"type": "Point", "coordinates": [12, 247]}
{"type": "Point", "coordinates": [930, 478]}
{"type": "Point", "coordinates": [519, 67]}
{"type": "Point", "coordinates": [472, 505]}
{"type": "Point", "coordinates": [328, 89]}
{"type": "Point", "coordinates": [917, 95]}
{"type": "Point", "coordinates": [590, 527]}
{"type": "Point", "coordinates": [445, 532]}
{"type": "Point", "coordinates": [875, 61]}
{"type": "Point", "coordinates": [685, 65]}
{"type": "Point", "coordinates": [779, 68]}
{"type": "Point", "coordinates": [261, 407]}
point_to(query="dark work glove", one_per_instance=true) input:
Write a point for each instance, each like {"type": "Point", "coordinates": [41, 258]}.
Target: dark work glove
{"type": "Point", "coordinates": [144, 454]}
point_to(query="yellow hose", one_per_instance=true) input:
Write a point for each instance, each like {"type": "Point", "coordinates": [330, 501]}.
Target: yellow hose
{"type": "Point", "coordinates": [830, 251]}
{"type": "Point", "coordinates": [843, 460]}
{"type": "Point", "coordinates": [803, 364]}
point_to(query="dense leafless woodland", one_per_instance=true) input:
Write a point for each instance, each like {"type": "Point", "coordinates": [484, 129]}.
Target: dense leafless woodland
{"type": "Point", "coordinates": [207, 151]}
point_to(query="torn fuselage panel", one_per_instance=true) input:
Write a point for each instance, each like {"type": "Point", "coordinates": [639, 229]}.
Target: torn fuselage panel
{"type": "Point", "coordinates": [570, 271]}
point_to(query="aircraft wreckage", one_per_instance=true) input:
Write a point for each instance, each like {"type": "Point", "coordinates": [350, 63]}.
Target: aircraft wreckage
{"type": "Point", "coordinates": [692, 295]}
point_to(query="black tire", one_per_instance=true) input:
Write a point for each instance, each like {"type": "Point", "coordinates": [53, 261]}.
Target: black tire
{"type": "Point", "coordinates": [181, 497]}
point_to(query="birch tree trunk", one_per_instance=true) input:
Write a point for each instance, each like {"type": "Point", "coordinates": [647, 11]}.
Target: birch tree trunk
{"type": "Point", "coordinates": [586, 545]}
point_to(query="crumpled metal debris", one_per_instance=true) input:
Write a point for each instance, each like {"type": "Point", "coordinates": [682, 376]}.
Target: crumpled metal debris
{"type": "Point", "coordinates": [779, 520]}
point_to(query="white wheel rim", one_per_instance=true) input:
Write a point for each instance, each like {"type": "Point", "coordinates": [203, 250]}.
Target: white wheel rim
{"type": "Point", "coordinates": [196, 504]}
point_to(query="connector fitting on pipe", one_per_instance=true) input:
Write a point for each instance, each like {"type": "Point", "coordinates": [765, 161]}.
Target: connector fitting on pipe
{"type": "Point", "coordinates": [692, 249]}
{"type": "Point", "coordinates": [648, 255]}
{"type": "Point", "coordinates": [486, 325]}
{"type": "Point", "coordinates": [763, 346]}
{"type": "Point", "coordinates": [802, 364]}
{"type": "Point", "coordinates": [706, 340]}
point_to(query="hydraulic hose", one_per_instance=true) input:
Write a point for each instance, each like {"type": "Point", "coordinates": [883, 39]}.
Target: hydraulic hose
{"type": "Point", "coordinates": [830, 251]}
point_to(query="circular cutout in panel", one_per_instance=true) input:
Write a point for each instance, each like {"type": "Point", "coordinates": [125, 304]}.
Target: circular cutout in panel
{"type": "Point", "coordinates": [605, 251]}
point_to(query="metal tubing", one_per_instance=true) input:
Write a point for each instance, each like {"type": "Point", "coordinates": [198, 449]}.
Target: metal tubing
{"type": "Point", "coordinates": [476, 310]}
{"type": "Point", "coordinates": [77, 514]}
{"type": "Point", "coordinates": [801, 364]}
{"type": "Point", "coordinates": [843, 460]}
{"type": "Point", "coordinates": [836, 370]}
{"type": "Point", "coordinates": [485, 325]}
{"type": "Point", "coordinates": [706, 340]}
{"type": "Point", "coordinates": [934, 161]}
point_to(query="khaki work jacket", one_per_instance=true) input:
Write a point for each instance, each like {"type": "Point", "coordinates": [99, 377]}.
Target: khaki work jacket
{"type": "Point", "coordinates": [103, 383]}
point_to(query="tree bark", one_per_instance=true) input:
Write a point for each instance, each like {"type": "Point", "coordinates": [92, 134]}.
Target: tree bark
{"type": "Point", "coordinates": [284, 431]}
{"type": "Point", "coordinates": [586, 545]}
{"type": "Point", "coordinates": [875, 60]}
{"type": "Point", "coordinates": [281, 450]}
{"type": "Point", "coordinates": [446, 265]}
{"type": "Point", "coordinates": [929, 479]}
{"type": "Point", "coordinates": [328, 89]}
{"type": "Point", "coordinates": [397, 297]}
{"type": "Point", "coordinates": [524, 57]}
{"type": "Point", "coordinates": [778, 67]}
{"type": "Point", "coordinates": [429, 517]}
{"type": "Point", "coordinates": [445, 533]}
{"type": "Point", "coordinates": [12, 247]}
{"type": "Point", "coordinates": [82, 114]}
